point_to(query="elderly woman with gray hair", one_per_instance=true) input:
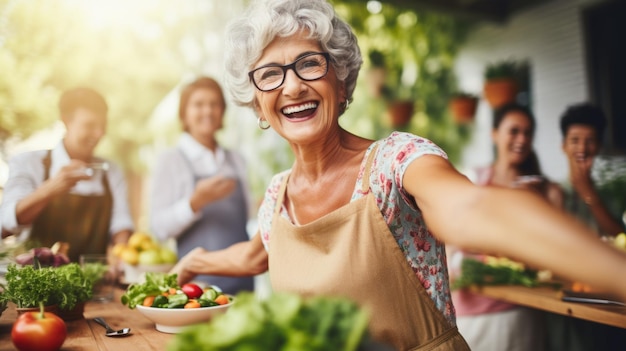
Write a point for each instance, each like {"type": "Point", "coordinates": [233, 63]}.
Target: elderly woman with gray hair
{"type": "Point", "coordinates": [368, 219]}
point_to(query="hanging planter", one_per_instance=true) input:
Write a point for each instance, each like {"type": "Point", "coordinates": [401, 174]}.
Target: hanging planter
{"type": "Point", "coordinates": [499, 92]}
{"type": "Point", "coordinates": [463, 107]}
{"type": "Point", "coordinates": [501, 85]}
{"type": "Point", "coordinates": [400, 113]}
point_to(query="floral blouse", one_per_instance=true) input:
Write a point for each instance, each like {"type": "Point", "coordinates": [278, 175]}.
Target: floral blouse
{"type": "Point", "coordinates": [424, 253]}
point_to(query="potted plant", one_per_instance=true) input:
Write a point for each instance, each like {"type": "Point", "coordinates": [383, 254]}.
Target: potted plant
{"type": "Point", "coordinates": [501, 82]}
{"type": "Point", "coordinates": [377, 72]}
{"type": "Point", "coordinates": [389, 80]}
{"type": "Point", "coordinates": [462, 106]}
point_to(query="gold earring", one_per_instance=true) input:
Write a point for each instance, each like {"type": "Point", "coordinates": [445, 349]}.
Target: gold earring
{"type": "Point", "coordinates": [259, 122]}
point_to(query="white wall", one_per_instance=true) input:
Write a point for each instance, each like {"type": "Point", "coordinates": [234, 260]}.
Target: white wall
{"type": "Point", "coordinates": [550, 37]}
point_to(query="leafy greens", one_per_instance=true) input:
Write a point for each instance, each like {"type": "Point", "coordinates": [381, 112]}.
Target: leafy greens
{"type": "Point", "coordinates": [155, 284]}
{"type": "Point", "coordinates": [281, 322]}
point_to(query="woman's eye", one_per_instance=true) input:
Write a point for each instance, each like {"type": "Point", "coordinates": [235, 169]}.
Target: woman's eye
{"type": "Point", "coordinates": [271, 73]}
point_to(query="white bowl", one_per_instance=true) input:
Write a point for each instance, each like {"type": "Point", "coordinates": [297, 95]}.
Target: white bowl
{"type": "Point", "coordinates": [137, 273]}
{"type": "Point", "coordinates": [173, 320]}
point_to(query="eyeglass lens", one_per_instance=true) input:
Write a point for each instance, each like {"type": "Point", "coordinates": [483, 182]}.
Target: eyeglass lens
{"type": "Point", "coordinates": [309, 67]}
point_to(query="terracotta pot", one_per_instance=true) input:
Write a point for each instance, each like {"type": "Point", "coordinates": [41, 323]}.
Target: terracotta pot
{"type": "Point", "coordinates": [463, 108]}
{"type": "Point", "coordinates": [498, 92]}
{"type": "Point", "coordinates": [400, 113]}
{"type": "Point", "coordinates": [50, 308]}
{"type": "Point", "coordinates": [73, 314]}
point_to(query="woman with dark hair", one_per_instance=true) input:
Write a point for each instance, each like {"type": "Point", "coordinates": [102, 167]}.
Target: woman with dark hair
{"type": "Point", "coordinates": [486, 323]}
{"type": "Point", "coordinates": [199, 189]}
{"type": "Point", "coordinates": [368, 219]}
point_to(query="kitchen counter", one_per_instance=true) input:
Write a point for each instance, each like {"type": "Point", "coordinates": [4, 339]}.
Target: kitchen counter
{"type": "Point", "coordinates": [549, 299]}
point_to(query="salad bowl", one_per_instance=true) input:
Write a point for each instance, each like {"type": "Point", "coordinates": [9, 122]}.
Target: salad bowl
{"type": "Point", "coordinates": [173, 320]}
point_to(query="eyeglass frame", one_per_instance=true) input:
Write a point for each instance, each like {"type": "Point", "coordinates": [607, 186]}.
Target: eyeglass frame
{"type": "Point", "coordinates": [290, 66]}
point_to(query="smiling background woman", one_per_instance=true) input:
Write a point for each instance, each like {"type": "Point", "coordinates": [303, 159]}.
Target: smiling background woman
{"type": "Point", "coordinates": [367, 219]}
{"type": "Point", "coordinates": [199, 189]}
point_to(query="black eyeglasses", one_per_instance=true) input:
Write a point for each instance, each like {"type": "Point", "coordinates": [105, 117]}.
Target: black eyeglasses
{"type": "Point", "coordinates": [309, 67]}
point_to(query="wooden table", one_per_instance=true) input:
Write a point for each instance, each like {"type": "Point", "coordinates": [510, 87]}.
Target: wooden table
{"type": "Point", "coordinates": [85, 334]}
{"type": "Point", "coordinates": [549, 299]}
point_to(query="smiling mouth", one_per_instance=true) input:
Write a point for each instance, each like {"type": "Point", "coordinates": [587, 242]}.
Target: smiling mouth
{"type": "Point", "coordinates": [300, 111]}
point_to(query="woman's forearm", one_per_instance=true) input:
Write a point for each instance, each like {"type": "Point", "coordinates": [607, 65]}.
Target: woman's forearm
{"type": "Point", "coordinates": [241, 259]}
{"type": "Point", "coordinates": [522, 226]}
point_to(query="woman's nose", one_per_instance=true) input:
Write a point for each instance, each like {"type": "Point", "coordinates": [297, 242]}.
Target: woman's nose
{"type": "Point", "coordinates": [293, 85]}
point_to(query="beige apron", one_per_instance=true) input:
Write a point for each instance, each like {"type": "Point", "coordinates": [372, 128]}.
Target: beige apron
{"type": "Point", "coordinates": [81, 220]}
{"type": "Point", "coordinates": [350, 252]}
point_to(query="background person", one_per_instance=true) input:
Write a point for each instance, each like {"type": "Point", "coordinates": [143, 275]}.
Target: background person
{"type": "Point", "coordinates": [367, 219]}
{"type": "Point", "coordinates": [67, 193]}
{"type": "Point", "coordinates": [582, 128]}
{"type": "Point", "coordinates": [199, 189]}
{"type": "Point", "coordinates": [486, 323]}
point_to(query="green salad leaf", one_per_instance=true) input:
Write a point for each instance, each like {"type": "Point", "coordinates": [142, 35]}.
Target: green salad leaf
{"type": "Point", "coordinates": [154, 284]}
{"type": "Point", "coordinates": [281, 322]}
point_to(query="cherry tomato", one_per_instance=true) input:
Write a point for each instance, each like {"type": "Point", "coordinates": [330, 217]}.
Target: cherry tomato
{"type": "Point", "coordinates": [192, 290]}
{"type": "Point", "coordinates": [34, 331]}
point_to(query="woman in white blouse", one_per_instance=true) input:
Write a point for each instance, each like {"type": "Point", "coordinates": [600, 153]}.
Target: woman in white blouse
{"type": "Point", "coordinates": [198, 187]}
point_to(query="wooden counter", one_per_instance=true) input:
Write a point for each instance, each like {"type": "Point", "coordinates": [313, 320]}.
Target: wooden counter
{"type": "Point", "coordinates": [549, 299]}
{"type": "Point", "coordinates": [84, 334]}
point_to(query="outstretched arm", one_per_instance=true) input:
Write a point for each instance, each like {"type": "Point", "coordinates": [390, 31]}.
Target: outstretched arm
{"type": "Point", "coordinates": [517, 224]}
{"type": "Point", "coordinates": [240, 259]}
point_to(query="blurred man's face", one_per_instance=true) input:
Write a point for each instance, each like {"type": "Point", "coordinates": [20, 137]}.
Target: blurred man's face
{"type": "Point", "coordinates": [85, 128]}
{"type": "Point", "coordinates": [581, 143]}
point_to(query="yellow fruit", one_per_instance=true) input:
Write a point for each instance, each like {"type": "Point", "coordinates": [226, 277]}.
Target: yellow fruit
{"type": "Point", "coordinates": [148, 245]}
{"type": "Point", "coordinates": [118, 248]}
{"type": "Point", "coordinates": [620, 241]}
{"type": "Point", "coordinates": [138, 239]}
{"type": "Point", "coordinates": [130, 255]}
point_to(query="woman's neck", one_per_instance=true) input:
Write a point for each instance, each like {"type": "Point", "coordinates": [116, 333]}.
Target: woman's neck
{"type": "Point", "coordinates": [315, 160]}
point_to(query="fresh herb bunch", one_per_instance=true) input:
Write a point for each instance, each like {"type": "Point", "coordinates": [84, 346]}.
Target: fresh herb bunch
{"type": "Point", "coordinates": [155, 284]}
{"type": "Point", "coordinates": [64, 286]}
{"type": "Point", "coordinates": [474, 272]}
{"type": "Point", "coordinates": [281, 322]}
{"type": "Point", "coordinates": [28, 286]}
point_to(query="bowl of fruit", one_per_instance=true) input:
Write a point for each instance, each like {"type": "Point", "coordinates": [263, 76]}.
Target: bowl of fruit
{"type": "Point", "coordinates": [172, 307]}
{"type": "Point", "coordinates": [142, 254]}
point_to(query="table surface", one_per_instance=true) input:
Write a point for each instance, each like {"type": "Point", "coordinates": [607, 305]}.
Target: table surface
{"type": "Point", "coordinates": [549, 299]}
{"type": "Point", "coordinates": [85, 334]}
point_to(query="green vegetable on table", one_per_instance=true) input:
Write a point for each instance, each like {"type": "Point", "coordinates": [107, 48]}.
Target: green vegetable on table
{"type": "Point", "coordinates": [64, 286]}
{"type": "Point", "coordinates": [154, 285]}
{"type": "Point", "coordinates": [281, 322]}
{"type": "Point", "coordinates": [496, 272]}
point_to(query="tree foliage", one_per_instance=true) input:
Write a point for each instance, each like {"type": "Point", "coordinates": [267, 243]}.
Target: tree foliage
{"type": "Point", "coordinates": [418, 51]}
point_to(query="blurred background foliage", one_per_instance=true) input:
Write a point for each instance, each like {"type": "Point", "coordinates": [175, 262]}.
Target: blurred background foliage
{"type": "Point", "coordinates": [139, 53]}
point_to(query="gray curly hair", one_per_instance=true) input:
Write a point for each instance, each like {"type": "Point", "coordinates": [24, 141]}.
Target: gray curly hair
{"type": "Point", "coordinates": [264, 20]}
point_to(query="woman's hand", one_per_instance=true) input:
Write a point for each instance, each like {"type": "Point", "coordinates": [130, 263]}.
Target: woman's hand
{"type": "Point", "coordinates": [580, 176]}
{"type": "Point", "coordinates": [182, 268]}
{"type": "Point", "coordinates": [210, 190]}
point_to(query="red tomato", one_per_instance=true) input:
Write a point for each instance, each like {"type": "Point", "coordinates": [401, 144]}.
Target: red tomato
{"type": "Point", "coordinates": [34, 332]}
{"type": "Point", "coordinates": [192, 290]}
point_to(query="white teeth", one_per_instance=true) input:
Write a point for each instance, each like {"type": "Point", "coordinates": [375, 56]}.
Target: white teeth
{"type": "Point", "coordinates": [299, 108]}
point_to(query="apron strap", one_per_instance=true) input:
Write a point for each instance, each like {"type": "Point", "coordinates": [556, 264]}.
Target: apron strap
{"type": "Point", "coordinates": [281, 194]}
{"type": "Point", "coordinates": [365, 182]}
